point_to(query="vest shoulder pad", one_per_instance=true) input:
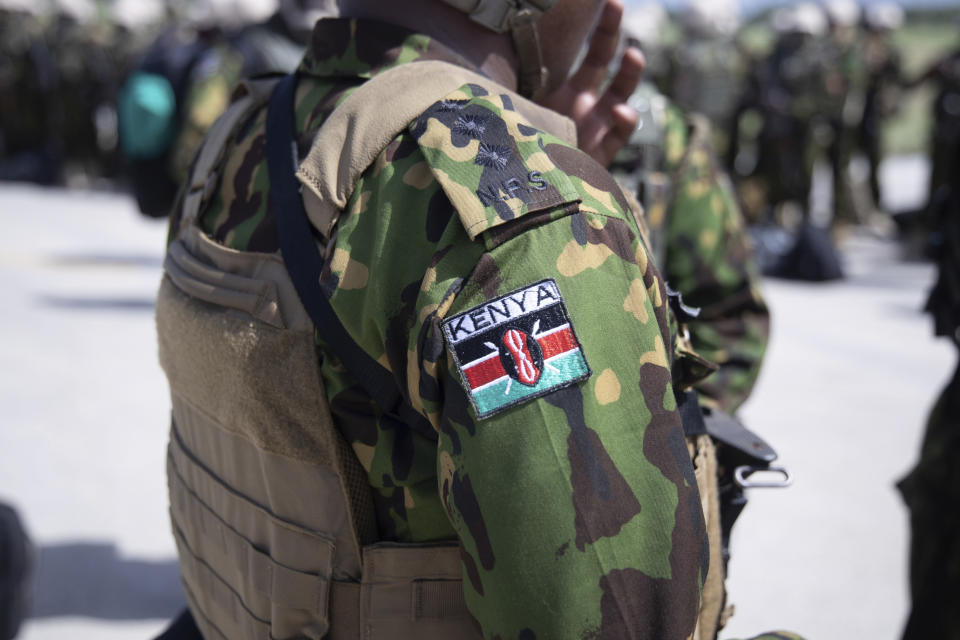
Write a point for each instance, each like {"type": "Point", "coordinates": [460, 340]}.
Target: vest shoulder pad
{"type": "Point", "coordinates": [488, 149]}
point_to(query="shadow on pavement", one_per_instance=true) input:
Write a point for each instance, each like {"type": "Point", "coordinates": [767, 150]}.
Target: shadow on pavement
{"type": "Point", "coordinates": [98, 304]}
{"type": "Point", "coordinates": [152, 261]}
{"type": "Point", "coordinates": [92, 580]}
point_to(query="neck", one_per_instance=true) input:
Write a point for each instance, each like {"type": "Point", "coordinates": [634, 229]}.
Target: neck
{"type": "Point", "coordinates": [492, 53]}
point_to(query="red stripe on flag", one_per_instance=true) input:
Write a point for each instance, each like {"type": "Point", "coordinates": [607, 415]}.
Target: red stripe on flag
{"type": "Point", "coordinates": [557, 343]}
{"type": "Point", "coordinates": [492, 369]}
{"type": "Point", "coordinates": [484, 372]}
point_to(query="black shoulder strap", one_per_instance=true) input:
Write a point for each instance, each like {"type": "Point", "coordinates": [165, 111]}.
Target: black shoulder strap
{"type": "Point", "coordinates": [688, 405]}
{"type": "Point", "coordinates": [304, 262]}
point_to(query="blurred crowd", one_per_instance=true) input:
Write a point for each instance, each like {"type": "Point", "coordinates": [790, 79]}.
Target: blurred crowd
{"type": "Point", "coordinates": [123, 90]}
{"type": "Point", "coordinates": [94, 92]}
{"type": "Point", "coordinates": [817, 86]}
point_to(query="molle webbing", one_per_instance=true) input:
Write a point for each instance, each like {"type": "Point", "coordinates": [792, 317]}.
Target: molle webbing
{"type": "Point", "coordinates": [270, 506]}
{"type": "Point", "coordinates": [267, 500]}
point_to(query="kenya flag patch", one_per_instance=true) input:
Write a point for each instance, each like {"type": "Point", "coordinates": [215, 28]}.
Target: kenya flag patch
{"type": "Point", "coordinates": [516, 348]}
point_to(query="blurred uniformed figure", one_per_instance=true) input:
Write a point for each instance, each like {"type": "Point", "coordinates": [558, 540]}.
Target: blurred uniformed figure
{"type": "Point", "coordinates": [785, 88]}
{"type": "Point", "coordinates": [884, 78]}
{"type": "Point", "coordinates": [88, 52]}
{"type": "Point", "coordinates": [183, 82]}
{"type": "Point", "coordinates": [698, 238]}
{"type": "Point", "coordinates": [707, 67]}
{"type": "Point", "coordinates": [945, 75]}
{"type": "Point", "coordinates": [28, 149]}
{"type": "Point", "coordinates": [786, 91]}
{"type": "Point", "coordinates": [843, 99]}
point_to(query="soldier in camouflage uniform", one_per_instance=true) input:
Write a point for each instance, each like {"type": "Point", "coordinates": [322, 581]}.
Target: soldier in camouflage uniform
{"type": "Point", "coordinates": [843, 94]}
{"type": "Point", "coordinates": [785, 87]}
{"type": "Point", "coordinates": [884, 81]}
{"type": "Point", "coordinates": [699, 241]}
{"type": "Point", "coordinates": [708, 67]}
{"type": "Point", "coordinates": [472, 264]}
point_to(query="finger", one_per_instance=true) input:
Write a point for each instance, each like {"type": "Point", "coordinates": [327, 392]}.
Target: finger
{"type": "Point", "coordinates": [621, 88]}
{"type": "Point", "coordinates": [628, 76]}
{"type": "Point", "coordinates": [603, 135]}
{"type": "Point", "coordinates": [603, 46]}
{"type": "Point", "coordinates": [590, 134]}
{"type": "Point", "coordinates": [604, 115]}
{"type": "Point", "coordinates": [624, 123]}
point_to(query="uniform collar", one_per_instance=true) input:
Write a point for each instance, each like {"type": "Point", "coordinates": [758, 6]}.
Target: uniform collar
{"type": "Point", "coordinates": [353, 48]}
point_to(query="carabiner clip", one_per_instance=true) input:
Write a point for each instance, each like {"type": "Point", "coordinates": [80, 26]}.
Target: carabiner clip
{"type": "Point", "coordinates": [741, 475]}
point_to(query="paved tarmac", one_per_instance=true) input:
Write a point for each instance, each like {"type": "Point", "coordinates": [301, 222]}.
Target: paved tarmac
{"type": "Point", "coordinates": [851, 372]}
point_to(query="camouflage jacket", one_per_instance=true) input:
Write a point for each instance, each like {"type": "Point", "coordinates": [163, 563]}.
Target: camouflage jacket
{"type": "Point", "coordinates": [576, 510]}
{"type": "Point", "coordinates": [701, 246]}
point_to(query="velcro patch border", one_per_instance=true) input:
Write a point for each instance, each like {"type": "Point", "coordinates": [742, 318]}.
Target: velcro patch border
{"type": "Point", "coordinates": [515, 348]}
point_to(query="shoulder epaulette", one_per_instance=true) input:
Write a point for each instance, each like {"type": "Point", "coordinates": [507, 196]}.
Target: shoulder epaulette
{"type": "Point", "coordinates": [360, 128]}
{"type": "Point", "coordinates": [489, 152]}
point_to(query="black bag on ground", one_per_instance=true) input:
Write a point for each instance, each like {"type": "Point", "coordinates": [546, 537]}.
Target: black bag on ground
{"type": "Point", "coordinates": [812, 257]}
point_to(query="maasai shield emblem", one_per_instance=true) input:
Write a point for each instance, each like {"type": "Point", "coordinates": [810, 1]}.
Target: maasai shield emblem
{"type": "Point", "coordinates": [515, 348]}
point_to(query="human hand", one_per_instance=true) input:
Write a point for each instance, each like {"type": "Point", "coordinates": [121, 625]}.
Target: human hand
{"type": "Point", "coordinates": [604, 121]}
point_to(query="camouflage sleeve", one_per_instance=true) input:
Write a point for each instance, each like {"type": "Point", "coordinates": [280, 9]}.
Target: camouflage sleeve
{"type": "Point", "coordinates": [709, 260]}
{"type": "Point", "coordinates": [503, 284]}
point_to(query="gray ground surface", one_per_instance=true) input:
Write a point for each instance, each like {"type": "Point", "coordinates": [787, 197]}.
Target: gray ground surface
{"type": "Point", "coordinates": [851, 372]}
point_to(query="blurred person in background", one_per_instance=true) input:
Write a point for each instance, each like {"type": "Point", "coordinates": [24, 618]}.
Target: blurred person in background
{"type": "Point", "coordinates": [945, 137]}
{"type": "Point", "coordinates": [843, 99]}
{"type": "Point", "coordinates": [932, 489]}
{"type": "Point", "coordinates": [89, 56]}
{"type": "Point", "coordinates": [182, 83]}
{"type": "Point", "coordinates": [884, 82]}
{"type": "Point", "coordinates": [708, 68]}
{"type": "Point", "coordinates": [786, 89]}
{"type": "Point", "coordinates": [699, 241]}
{"type": "Point", "coordinates": [31, 148]}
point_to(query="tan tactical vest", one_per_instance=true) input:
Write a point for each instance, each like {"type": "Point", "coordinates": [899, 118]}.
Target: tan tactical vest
{"type": "Point", "coordinates": [270, 508]}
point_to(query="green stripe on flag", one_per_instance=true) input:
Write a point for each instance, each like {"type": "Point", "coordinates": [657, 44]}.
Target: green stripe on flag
{"type": "Point", "coordinates": [558, 372]}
